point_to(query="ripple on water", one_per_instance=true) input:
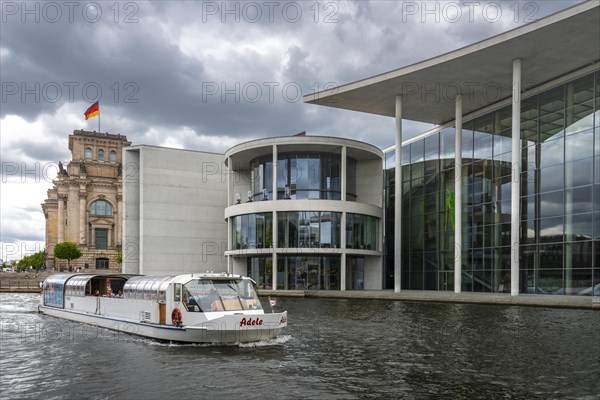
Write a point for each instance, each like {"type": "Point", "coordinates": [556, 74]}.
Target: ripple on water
{"type": "Point", "coordinates": [331, 349]}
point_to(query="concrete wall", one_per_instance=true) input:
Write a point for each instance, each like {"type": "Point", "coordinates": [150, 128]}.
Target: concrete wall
{"type": "Point", "coordinates": [369, 182]}
{"type": "Point", "coordinates": [179, 212]}
{"type": "Point", "coordinates": [241, 183]}
{"type": "Point", "coordinates": [131, 206]}
{"type": "Point", "coordinates": [373, 273]}
{"type": "Point", "coordinates": [240, 265]}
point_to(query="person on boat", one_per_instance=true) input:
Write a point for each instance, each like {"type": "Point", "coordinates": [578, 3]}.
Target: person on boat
{"type": "Point", "coordinates": [110, 293]}
{"type": "Point", "coordinates": [120, 294]}
{"type": "Point", "coordinates": [97, 293]}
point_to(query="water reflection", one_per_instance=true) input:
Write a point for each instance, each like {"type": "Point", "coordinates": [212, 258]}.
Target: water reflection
{"type": "Point", "coordinates": [332, 349]}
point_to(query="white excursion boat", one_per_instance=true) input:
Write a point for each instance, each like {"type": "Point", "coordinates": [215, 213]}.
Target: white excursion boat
{"type": "Point", "coordinates": [197, 308]}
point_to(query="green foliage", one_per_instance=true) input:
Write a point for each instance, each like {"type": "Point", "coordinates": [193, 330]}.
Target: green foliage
{"type": "Point", "coordinates": [67, 251]}
{"type": "Point", "coordinates": [119, 258]}
{"type": "Point", "coordinates": [450, 205]}
{"type": "Point", "coordinates": [35, 260]}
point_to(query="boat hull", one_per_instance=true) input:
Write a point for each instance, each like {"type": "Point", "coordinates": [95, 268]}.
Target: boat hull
{"type": "Point", "coordinates": [222, 330]}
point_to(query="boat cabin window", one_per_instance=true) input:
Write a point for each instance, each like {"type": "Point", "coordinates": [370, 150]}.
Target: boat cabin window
{"type": "Point", "coordinates": [78, 286]}
{"type": "Point", "coordinates": [146, 287]}
{"type": "Point", "coordinates": [204, 295]}
{"type": "Point", "coordinates": [54, 290]}
{"type": "Point", "coordinates": [177, 292]}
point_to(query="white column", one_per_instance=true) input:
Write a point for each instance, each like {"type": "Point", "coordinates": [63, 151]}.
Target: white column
{"type": "Point", "coordinates": [274, 173]}
{"type": "Point", "coordinates": [61, 218]}
{"type": "Point", "coordinates": [275, 240]}
{"type": "Point", "coordinates": [82, 220]}
{"type": "Point", "coordinates": [344, 171]}
{"type": "Point", "coordinates": [343, 186]}
{"type": "Point", "coordinates": [343, 271]}
{"type": "Point", "coordinates": [516, 178]}
{"type": "Point", "coordinates": [569, 203]}
{"type": "Point", "coordinates": [229, 243]}
{"type": "Point", "coordinates": [398, 199]}
{"type": "Point", "coordinates": [458, 196]}
{"type": "Point", "coordinates": [343, 251]}
{"type": "Point", "coordinates": [230, 194]}
{"type": "Point", "coordinates": [274, 223]}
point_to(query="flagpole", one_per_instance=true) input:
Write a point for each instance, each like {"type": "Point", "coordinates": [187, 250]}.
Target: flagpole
{"type": "Point", "coordinates": [99, 116]}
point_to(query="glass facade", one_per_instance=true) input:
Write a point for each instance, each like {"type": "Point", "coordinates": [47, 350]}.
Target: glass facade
{"type": "Point", "coordinates": [302, 176]}
{"type": "Point", "coordinates": [361, 232]}
{"type": "Point", "coordinates": [298, 272]}
{"type": "Point", "coordinates": [253, 231]}
{"type": "Point", "coordinates": [317, 229]}
{"type": "Point", "coordinates": [560, 199]}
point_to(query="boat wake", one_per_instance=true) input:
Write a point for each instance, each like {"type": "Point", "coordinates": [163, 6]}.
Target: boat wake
{"type": "Point", "coordinates": [264, 343]}
{"type": "Point", "coordinates": [272, 342]}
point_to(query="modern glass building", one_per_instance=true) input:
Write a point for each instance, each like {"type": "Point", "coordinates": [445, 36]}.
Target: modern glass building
{"type": "Point", "coordinates": [559, 224]}
{"type": "Point", "coordinates": [504, 194]}
{"type": "Point", "coordinates": [305, 213]}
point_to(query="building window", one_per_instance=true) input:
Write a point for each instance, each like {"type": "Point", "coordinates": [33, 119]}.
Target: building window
{"type": "Point", "coordinates": [300, 176]}
{"type": "Point", "coordinates": [101, 263]}
{"type": "Point", "coordinates": [88, 153]}
{"type": "Point", "coordinates": [101, 207]}
{"type": "Point", "coordinates": [112, 156]}
{"type": "Point", "coordinates": [100, 154]}
{"type": "Point", "coordinates": [253, 231]}
{"type": "Point", "coordinates": [361, 232]}
{"type": "Point", "coordinates": [309, 229]}
{"type": "Point", "coordinates": [295, 272]}
{"type": "Point", "coordinates": [101, 238]}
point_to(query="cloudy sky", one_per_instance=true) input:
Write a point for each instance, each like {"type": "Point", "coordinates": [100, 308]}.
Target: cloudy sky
{"type": "Point", "coordinates": [204, 75]}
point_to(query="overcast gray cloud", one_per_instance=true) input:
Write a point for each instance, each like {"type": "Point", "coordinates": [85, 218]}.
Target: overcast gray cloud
{"type": "Point", "coordinates": [207, 75]}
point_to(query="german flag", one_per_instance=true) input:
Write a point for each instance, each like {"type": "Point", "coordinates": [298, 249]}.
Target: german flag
{"type": "Point", "coordinates": [92, 111]}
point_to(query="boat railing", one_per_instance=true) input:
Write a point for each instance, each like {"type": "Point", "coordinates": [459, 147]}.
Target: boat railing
{"type": "Point", "coordinates": [17, 285]}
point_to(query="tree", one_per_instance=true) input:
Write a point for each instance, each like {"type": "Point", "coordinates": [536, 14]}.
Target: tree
{"type": "Point", "coordinates": [35, 260]}
{"type": "Point", "coordinates": [67, 251]}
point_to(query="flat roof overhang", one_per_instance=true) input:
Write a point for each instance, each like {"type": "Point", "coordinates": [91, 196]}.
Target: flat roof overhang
{"type": "Point", "coordinates": [549, 48]}
{"type": "Point", "coordinates": [242, 154]}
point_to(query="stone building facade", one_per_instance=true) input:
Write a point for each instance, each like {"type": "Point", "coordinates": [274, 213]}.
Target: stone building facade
{"type": "Point", "coordinates": [85, 205]}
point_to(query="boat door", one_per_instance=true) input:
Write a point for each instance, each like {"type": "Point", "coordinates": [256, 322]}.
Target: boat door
{"type": "Point", "coordinates": [162, 313]}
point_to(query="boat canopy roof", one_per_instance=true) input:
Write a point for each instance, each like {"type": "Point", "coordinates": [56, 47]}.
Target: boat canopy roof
{"type": "Point", "coordinates": [76, 282]}
{"type": "Point", "coordinates": [58, 279]}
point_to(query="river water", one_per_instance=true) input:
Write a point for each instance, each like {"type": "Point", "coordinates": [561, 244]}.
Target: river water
{"type": "Point", "coordinates": [332, 349]}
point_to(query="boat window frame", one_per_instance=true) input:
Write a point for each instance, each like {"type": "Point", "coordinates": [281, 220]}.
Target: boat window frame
{"type": "Point", "coordinates": [177, 292]}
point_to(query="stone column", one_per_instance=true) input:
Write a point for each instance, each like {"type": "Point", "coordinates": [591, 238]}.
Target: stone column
{"type": "Point", "coordinates": [516, 179]}
{"type": "Point", "coordinates": [398, 199]}
{"type": "Point", "coordinates": [82, 218]}
{"type": "Point", "coordinates": [61, 218]}
{"type": "Point", "coordinates": [119, 221]}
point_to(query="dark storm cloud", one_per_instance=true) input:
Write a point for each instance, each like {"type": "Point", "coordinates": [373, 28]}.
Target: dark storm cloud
{"type": "Point", "coordinates": [147, 78]}
{"type": "Point", "coordinates": [41, 151]}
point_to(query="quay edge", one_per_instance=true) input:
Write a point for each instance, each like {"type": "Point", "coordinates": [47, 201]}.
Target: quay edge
{"type": "Point", "coordinates": [504, 299]}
